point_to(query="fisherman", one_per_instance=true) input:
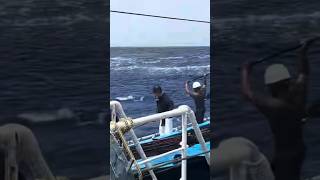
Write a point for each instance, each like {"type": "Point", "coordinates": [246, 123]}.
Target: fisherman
{"type": "Point", "coordinates": [164, 103]}
{"type": "Point", "coordinates": [199, 95]}
{"type": "Point", "coordinates": [20, 155]}
{"type": "Point", "coordinates": [284, 108]}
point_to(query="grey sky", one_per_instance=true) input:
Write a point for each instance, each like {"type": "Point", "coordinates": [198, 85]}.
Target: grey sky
{"type": "Point", "coordinates": [131, 30]}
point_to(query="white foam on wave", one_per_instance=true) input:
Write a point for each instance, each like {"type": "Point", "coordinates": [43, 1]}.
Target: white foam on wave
{"type": "Point", "coordinates": [119, 58]}
{"type": "Point", "coordinates": [63, 113]}
{"type": "Point", "coordinates": [155, 69]}
{"type": "Point", "coordinates": [139, 99]}
{"type": "Point", "coordinates": [151, 62]}
{"type": "Point", "coordinates": [126, 98]}
{"type": "Point", "coordinates": [122, 61]}
{"type": "Point", "coordinates": [174, 57]}
{"type": "Point", "coordinates": [204, 56]}
{"type": "Point", "coordinates": [130, 98]}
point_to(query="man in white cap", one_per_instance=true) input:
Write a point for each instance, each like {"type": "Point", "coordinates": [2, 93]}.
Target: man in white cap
{"type": "Point", "coordinates": [198, 94]}
{"type": "Point", "coordinates": [284, 109]}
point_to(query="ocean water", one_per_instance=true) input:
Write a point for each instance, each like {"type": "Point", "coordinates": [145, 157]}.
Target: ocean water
{"type": "Point", "coordinates": [248, 30]}
{"type": "Point", "coordinates": [134, 71]}
{"type": "Point", "coordinates": [53, 79]}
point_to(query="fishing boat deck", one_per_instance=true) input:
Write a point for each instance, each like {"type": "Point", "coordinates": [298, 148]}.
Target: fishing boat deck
{"type": "Point", "coordinates": [155, 144]}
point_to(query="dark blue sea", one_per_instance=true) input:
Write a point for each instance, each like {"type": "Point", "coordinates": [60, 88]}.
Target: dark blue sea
{"type": "Point", "coordinates": [53, 79]}
{"type": "Point", "coordinates": [135, 70]}
{"type": "Point", "coordinates": [248, 30]}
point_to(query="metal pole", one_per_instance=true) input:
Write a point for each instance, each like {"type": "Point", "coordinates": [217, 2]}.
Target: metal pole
{"type": "Point", "coordinates": [160, 156]}
{"type": "Point", "coordinates": [199, 136]}
{"type": "Point", "coordinates": [184, 147]}
{"type": "Point", "coordinates": [156, 117]}
{"type": "Point", "coordinates": [141, 153]}
{"type": "Point", "coordinates": [118, 108]}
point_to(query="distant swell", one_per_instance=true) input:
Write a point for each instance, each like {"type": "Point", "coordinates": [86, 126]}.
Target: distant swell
{"type": "Point", "coordinates": [164, 69]}
{"type": "Point", "coordinates": [58, 20]}
{"type": "Point", "coordinates": [121, 61]}
{"type": "Point", "coordinates": [177, 57]}
{"type": "Point", "coordinates": [251, 19]}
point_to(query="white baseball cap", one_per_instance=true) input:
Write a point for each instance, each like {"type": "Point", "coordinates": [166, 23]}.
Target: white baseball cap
{"type": "Point", "coordinates": [275, 73]}
{"type": "Point", "coordinates": [196, 85]}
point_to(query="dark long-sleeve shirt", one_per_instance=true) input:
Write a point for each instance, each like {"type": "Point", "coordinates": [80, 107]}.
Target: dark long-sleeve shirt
{"type": "Point", "coordinates": [164, 103]}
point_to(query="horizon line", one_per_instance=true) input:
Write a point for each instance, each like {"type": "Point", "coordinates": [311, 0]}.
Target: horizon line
{"type": "Point", "coordinates": [157, 46]}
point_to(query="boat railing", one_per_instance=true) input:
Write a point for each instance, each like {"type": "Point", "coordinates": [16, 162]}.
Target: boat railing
{"type": "Point", "coordinates": [117, 111]}
{"type": "Point", "coordinates": [126, 124]}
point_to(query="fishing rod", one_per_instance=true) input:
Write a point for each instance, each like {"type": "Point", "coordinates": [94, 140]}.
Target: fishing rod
{"type": "Point", "coordinates": [156, 16]}
{"type": "Point", "coordinates": [278, 53]}
{"type": "Point", "coordinates": [199, 77]}
{"type": "Point", "coordinates": [282, 52]}
{"type": "Point", "coordinates": [261, 60]}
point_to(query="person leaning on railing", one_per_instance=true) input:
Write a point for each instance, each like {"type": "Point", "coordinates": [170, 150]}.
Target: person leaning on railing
{"type": "Point", "coordinates": [164, 103]}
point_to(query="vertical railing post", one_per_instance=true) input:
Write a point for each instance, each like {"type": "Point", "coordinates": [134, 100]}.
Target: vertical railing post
{"type": "Point", "coordinates": [184, 146]}
{"type": "Point", "coordinates": [142, 154]}
{"type": "Point", "coordinates": [113, 112]}
{"type": "Point", "coordinates": [199, 136]}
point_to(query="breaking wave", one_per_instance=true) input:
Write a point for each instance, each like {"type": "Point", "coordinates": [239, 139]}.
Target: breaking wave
{"type": "Point", "coordinates": [63, 113]}
{"type": "Point", "coordinates": [204, 56]}
{"type": "Point", "coordinates": [130, 98]}
{"type": "Point", "coordinates": [155, 69]}
{"type": "Point", "coordinates": [174, 57]}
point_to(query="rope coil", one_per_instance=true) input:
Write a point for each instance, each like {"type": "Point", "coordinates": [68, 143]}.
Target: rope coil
{"type": "Point", "coordinates": [119, 129]}
{"type": "Point", "coordinates": [123, 125]}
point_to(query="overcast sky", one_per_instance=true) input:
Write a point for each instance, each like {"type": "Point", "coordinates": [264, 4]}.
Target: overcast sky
{"type": "Point", "coordinates": [131, 30]}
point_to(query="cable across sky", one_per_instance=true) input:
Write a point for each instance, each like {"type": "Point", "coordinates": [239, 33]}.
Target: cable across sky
{"type": "Point", "coordinates": [163, 17]}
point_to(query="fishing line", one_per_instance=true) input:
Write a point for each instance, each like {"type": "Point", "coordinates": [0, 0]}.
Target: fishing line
{"type": "Point", "coordinates": [163, 17]}
{"type": "Point", "coordinates": [276, 54]}
{"type": "Point", "coordinates": [199, 77]}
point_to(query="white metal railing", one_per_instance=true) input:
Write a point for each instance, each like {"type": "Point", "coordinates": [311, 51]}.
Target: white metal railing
{"type": "Point", "coordinates": [186, 114]}
{"type": "Point", "coordinates": [116, 109]}
{"type": "Point", "coordinates": [161, 155]}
